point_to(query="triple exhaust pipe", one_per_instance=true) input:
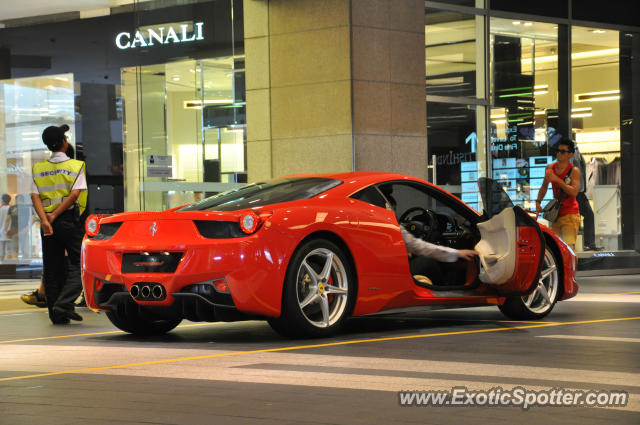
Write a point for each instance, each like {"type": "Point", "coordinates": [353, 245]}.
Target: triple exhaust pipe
{"type": "Point", "coordinates": [147, 291]}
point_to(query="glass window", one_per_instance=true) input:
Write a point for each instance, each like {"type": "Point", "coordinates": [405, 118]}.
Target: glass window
{"type": "Point", "coordinates": [260, 194]}
{"type": "Point", "coordinates": [620, 12]}
{"type": "Point", "coordinates": [595, 86]}
{"type": "Point", "coordinates": [454, 54]}
{"type": "Point", "coordinates": [524, 102]}
{"type": "Point", "coordinates": [554, 8]}
{"type": "Point", "coordinates": [448, 220]}
{"type": "Point", "coordinates": [372, 196]}
{"type": "Point", "coordinates": [456, 89]}
{"type": "Point", "coordinates": [468, 3]}
{"type": "Point", "coordinates": [27, 107]}
{"type": "Point", "coordinates": [455, 134]}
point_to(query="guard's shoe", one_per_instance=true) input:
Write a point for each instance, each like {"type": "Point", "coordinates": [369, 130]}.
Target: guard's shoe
{"type": "Point", "coordinates": [74, 316]}
{"type": "Point", "coordinates": [60, 321]}
{"type": "Point", "coordinates": [34, 298]}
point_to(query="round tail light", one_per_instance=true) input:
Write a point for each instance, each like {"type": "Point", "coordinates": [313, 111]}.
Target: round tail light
{"type": "Point", "coordinates": [92, 225]}
{"type": "Point", "coordinates": [249, 222]}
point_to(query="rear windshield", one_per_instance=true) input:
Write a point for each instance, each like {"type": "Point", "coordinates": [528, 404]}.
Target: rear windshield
{"type": "Point", "coordinates": [265, 193]}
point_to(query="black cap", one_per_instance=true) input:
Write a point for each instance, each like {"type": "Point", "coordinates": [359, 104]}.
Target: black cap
{"type": "Point", "coordinates": [53, 136]}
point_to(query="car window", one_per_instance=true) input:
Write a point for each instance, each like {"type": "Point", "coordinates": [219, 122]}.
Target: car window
{"type": "Point", "coordinates": [408, 195]}
{"type": "Point", "coordinates": [265, 193]}
{"type": "Point", "coordinates": [370, 195]}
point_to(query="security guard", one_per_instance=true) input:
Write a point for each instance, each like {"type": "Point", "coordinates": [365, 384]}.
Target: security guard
{"type": "Point", "coordinates": [59, 194]}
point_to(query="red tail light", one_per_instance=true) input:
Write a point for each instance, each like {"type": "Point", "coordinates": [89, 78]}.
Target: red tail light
{"type": "Point", "coordinates": [249, 222]}
{"type": "Point", "coordinates": [92, 225]}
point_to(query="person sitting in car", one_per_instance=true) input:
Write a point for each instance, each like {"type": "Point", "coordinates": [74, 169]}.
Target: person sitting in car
{"type": "Point", "coordinates": [427, 263]}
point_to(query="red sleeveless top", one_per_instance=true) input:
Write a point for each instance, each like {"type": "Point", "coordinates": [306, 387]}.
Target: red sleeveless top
{"type": "Point", "coordinates": [568, 205]}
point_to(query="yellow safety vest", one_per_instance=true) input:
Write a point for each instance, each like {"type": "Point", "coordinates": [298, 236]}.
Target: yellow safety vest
{"type": "Point", "coordinates": [55, 180]}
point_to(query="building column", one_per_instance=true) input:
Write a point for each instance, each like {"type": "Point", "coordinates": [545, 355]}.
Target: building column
{"type": "Point", "coordinates": [389, 106]}
{"type": "Point", "coordinates": [298, 87]}
{"type": "Point", "coordinates": [335, 85]}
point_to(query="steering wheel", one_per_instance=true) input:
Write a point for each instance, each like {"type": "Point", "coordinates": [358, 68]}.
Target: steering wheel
{"type": "Point", "coordinates": [426, 227]}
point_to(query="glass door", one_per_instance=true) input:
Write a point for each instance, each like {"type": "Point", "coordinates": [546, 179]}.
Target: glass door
{"type": "Point", "coordinates": [181, 141]}
{"type": "Point", "coordinates": [27, 107]}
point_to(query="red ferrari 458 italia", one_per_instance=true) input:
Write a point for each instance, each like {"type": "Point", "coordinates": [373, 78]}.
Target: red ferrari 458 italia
{"type": "Point", "coordinates": [307, 252]}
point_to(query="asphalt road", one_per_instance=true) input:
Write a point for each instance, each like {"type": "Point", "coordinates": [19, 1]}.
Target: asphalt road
{"type": "Point", "coordinates": [239, 373]}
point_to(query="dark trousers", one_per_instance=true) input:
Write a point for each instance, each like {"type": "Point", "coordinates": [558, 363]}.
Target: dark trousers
{"type": "Point", "coordinates": [62, 286]}
{"type": "Point", "coordinates": [589, 234]}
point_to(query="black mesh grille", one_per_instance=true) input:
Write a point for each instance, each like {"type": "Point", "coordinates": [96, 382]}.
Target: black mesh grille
{"type": "Point", "coordinates": [219, 229]}
{"type": "Point", "coordinates": [153, 262]}
{"type": "Point", "coordinates": [107, 230]}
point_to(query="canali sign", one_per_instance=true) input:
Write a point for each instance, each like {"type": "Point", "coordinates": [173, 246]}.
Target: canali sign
{"type": "Point", "coordinates": [160, 35]}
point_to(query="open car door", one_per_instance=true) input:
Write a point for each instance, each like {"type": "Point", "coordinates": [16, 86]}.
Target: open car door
{"type": "Point", "coordinates": [511, 248]}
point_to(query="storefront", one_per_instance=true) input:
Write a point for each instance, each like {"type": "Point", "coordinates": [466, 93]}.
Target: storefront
{"type": "Point", "coordinates": [505, 84]}
{"type": "Point", "coordinates": [156, 96]}
{"type": "Point", "coordinates": [153, 93]}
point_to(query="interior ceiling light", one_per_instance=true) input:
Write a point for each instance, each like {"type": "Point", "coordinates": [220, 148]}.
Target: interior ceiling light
{"type": "Point", "coordinates": [541, 89]}
{"type": "Point", "coordinates": [197, 104]}
{"type": "Point", "coordinates": [598, 136]}
{"type": "Point", "coordinates": [597, 31]}
{"type": "Point", "coordinates": [579, 55]}
{"type": "Point", "coordinates": [582, 112]}
{"type": "Point", "coordinates": [516, 22]}
{"type": "Point", "coordinates": [598, 96]}
{"type": "Point", "coordinates": [527, 24]}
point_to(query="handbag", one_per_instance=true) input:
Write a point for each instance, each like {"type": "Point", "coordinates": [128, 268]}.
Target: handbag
{"type": "Point", "coordinates": [551, 210]}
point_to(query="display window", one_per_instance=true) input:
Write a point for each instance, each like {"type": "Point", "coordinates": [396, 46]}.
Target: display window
{"type": "Point", "coordinates": [456, 111]}
{"type": "Point", "coordinates": [524, 102]}
{"type": "Point", "coordinates": [596, 121]}
{"type": "Point", "coordinates": [27, 105]}
{"type": "Point", "coordinates": [514, 106]}
{"type": "Point", "coordinates": [153, 92]}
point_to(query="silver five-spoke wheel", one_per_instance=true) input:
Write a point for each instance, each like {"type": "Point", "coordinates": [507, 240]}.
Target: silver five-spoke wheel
{"type": "Point", "coordinates": [319, 290]}
{"type": "Point", "coordinates": [543, 297]}
{"type": "Point", "coordinates": [541, 300]}
{"type": "Point", "coordinates": [322, 287]}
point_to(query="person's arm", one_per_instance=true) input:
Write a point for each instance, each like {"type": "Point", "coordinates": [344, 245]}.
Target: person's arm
{"type": "Point", "coordinates": [570, 189]}
{"type": "Point", "coordinates": [423, 248]}
{"type": "Point", "coordinates": [68, 201]}
{"type": "Point", "coordinates": [47, 230]}
{"type": "Point", "coordinates": [543, 188]}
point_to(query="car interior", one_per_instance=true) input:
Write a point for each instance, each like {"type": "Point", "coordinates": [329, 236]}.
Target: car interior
{"type": "Point", "coordinates": [430, 216]}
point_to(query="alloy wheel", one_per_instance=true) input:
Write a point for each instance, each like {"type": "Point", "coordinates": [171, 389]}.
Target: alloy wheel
{"type": "Point", "coordinates": [543, 297]}
{"type": "Point", "coordinates": [322, 288]}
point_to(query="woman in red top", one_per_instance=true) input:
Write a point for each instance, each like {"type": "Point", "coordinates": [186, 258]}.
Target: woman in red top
{"type": "Point", "coordinates": [565, 180]}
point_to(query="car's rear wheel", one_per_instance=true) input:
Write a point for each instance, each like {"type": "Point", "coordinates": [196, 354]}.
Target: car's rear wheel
{"type": "Point", "coordinates": [540, 302]}
{"type": "Point", "coordinates": [319, 291]}
{"type": "Point", "coordinates": [131, 320]}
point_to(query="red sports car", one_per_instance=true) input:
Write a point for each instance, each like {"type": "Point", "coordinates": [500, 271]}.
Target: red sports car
{"type": "Point", "coordinates": [307, 252]}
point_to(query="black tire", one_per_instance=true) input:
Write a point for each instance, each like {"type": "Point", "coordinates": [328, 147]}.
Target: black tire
{"type": "Point", "coordinates": [316, 301]}
{"type": "Point", "coordinates": [130, 320]}
{"type": "Point", "coordinates": [535, 305]}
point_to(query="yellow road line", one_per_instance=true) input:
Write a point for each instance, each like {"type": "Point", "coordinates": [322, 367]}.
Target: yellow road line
{"type": "Point", "coordinates": [43, 338]}
{"type": "Point", "coordinates": [606, 294]}
{"type": "Point", "coordinates": [303, 347]}
{"type": "Point", "coordinates": [95, 333]}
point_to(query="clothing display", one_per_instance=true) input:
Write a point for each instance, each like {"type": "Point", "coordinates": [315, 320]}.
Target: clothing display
{"type": "Point", "coordinates": [601, 172]}
{"type": "Point", "coordinates": [588, 241]}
